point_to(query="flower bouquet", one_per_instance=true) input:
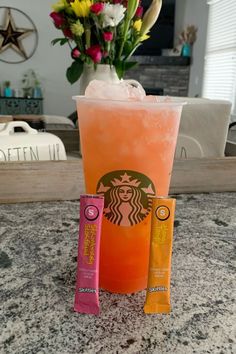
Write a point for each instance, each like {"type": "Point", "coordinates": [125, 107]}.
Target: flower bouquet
{"type": "Point", "coordinates": [103, 31]}
{"type": "Point", "coordinates": [188, 35]}
{"type": "Point", "coordinates": [187, 38]}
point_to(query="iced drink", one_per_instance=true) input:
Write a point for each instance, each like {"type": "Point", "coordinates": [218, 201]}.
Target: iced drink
{"type": "Point", "coordinates": [128, 150]}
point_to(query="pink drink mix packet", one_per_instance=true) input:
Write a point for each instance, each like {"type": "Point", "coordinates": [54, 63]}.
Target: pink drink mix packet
{"type": "Point", "coordinates": [87, 281]}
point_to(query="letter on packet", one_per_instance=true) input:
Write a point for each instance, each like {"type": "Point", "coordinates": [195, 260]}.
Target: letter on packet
{"type": "Point", "coordinates": [87, 281]}
{"type": "Point", "coordinates": [158, 289]}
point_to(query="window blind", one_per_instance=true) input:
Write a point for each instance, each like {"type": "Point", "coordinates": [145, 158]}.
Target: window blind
{"type": "Point", "coordinates": [219, 80]}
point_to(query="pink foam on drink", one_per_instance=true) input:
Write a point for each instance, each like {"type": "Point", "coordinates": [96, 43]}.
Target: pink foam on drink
{"type": "Point", "coordinates": [87, 280]}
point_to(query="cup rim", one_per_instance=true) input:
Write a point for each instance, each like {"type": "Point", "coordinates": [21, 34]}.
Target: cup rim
{"type": "Point", "coordinates": [140, 103]}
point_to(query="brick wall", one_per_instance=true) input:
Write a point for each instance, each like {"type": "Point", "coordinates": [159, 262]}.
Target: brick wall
{"type": "Point", "coordinates": [169, 73]}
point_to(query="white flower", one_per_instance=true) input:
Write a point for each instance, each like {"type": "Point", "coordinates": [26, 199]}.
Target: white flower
{"type": "Point", "coordinates": [112, 14]}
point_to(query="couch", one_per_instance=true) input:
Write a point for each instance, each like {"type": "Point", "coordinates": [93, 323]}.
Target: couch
{"type": "Point", "coordinates": [203, 127]}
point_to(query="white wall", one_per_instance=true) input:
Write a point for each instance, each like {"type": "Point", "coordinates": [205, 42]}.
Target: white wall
{"type": "Point", "coordinates": [194, 12]}
{"type": "Point", "coordinates": [49, 62]}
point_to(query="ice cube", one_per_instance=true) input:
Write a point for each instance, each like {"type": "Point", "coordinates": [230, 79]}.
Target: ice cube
{"type": "Point", "coordinates": [125, 90]}
{"type": "Point", "coordinates": [136, 90]}
{"type": "Point", "coordinates": [107, 90]}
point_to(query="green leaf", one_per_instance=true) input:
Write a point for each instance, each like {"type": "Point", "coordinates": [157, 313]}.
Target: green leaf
{"type": "Point", "coordinates": [132, 51]}
{"type": "Point", "coordinates": [131, 8]}
{"type": "Point", "coordinates": [74, 72]}
{"type": "Point", "coordinates": [127, 48]}
{"type": "Point", "coordinates": [63, 41]}
{"type": "Point", "coordinates": [56, 40]}
{"type": "Point", "coordinates": [130, 65]}
{"type": "Point", "coordinates": [119, 69]}
{"type": "Point", "coordinates": [123, 66]}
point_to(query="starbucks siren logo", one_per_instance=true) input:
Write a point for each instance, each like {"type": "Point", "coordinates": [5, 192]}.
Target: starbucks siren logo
{"type": "Point", "coordinates": [127, 196]}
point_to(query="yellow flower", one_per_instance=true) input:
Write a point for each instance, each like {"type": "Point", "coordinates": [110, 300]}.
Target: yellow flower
{"type": "Point", "coordinates": [81, 7]}
{"type": "Point", "coordinates": [60, 5]}
{"type": "Point", "coordinates": [137, 25]}
{"type": "Point", "coordinates": [144, 37]}
{"type": "Point", "coordinates": [77, 28]}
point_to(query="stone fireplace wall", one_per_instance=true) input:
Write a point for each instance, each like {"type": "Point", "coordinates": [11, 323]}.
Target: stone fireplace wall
{"type": "Point", "coordinates": [168, 73]}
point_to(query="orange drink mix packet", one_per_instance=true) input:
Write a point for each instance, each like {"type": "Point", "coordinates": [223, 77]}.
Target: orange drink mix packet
{"type": "Point", "coordinates": [158, 288]}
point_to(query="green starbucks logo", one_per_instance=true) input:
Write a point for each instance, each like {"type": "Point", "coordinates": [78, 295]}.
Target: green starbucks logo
{"type": "Point", "coordinates": [127, 196]}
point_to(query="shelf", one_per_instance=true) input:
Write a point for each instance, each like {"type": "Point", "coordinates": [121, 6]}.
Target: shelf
{"type": "Point", "coordinates": [162, 60]}
{"type": "Point", "coordinates": [63, 180]}
{"type": "Point", "coordinates": [21, 105]}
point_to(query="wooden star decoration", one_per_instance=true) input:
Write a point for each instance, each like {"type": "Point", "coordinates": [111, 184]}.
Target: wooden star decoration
{"type": "Point", "coordinates": [11, 36]}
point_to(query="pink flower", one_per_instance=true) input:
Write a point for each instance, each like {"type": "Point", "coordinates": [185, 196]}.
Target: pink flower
{"type": "Point", "coordinates": [57, 18]}
{"type": "Point", "coordinates": [117, 1]}
{"type": "Point", "coordinates": [139, 12]}
{"type": "Point", "coordinates": [125, 3]}
{"type": "Point", "coordinates": [75, 53]}
{"type": "Point", "coordinates": [107, 36]}
{"type": "Point", "coordinates": [95, 53]}
{"type": "Point", "coordinates": [105, 54]}
{"type": "Point", "coordinates": [67, 33]}
{"type": "Point", "coordinates": [97, 8]}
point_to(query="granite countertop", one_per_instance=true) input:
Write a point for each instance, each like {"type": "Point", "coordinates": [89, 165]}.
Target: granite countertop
{"type": "Point", "coordinates": [38, 243]}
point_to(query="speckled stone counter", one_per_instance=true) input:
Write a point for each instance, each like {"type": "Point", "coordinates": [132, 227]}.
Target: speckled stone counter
{"type": "Point", "coordinates": [38, 244]}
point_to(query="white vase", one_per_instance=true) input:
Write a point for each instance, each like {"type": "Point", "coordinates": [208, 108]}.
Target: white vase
{"type": "Point", "coordinates": [103, 72]}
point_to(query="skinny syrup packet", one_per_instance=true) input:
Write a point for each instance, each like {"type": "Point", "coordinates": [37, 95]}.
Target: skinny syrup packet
{"type": "Point", "coordinates": [87, 280]}
{"type": "Point", "coordinates": [158, 288]}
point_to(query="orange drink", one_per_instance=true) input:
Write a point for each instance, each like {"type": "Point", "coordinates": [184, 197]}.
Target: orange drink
{"type": "Point", "coordinates": [128, 150]}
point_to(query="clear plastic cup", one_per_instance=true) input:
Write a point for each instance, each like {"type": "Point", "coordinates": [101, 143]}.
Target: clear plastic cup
{"type": "Point", "coordinates": [128, 150]}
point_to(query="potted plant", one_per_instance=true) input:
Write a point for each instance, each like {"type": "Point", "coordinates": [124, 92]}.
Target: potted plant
{"type": "Point", "coordinates": [31, 84]}
{"type": "Point", "coordinates": [187, 37]}
{"type": "Point", "coordinates": [102, 32]}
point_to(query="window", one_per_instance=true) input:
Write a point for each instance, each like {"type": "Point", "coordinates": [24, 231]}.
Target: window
{"type": "Point", "coordinates": [219, 80]}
